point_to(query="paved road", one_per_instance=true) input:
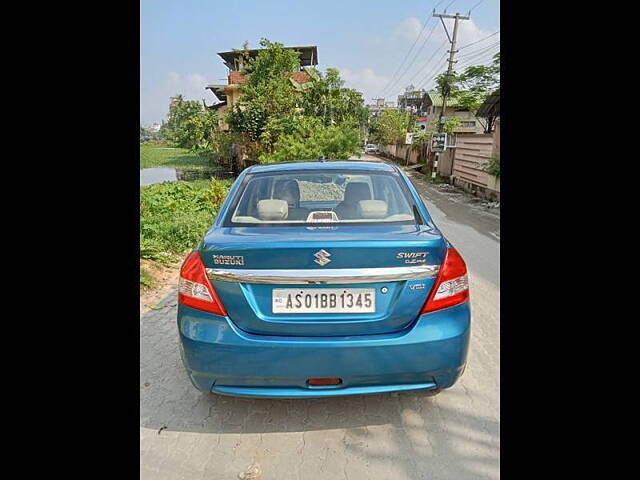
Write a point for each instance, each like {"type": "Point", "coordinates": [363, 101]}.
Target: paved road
{"type": "Point", "coordinates": [455, 435]}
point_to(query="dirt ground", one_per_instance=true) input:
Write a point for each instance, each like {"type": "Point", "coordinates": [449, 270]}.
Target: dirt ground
{"type": "Point", "coordinates": [164, 278]}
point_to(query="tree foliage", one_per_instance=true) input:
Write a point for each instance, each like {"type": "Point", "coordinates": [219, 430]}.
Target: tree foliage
{"type": "Point", "coordinates": [325, 97]}
{"type": "Point", "coordinates": [472, 87]}
{"type": "Point", "coordinates": [310, 139]}
{"type": "Point", "coordinates": [281, 119]}
{"type": "Point", "coordinates": [267, 93]}
{"type": "Point", "coordinates": [190, 125]}
{"type": "Point", "coordinates": [477, 82]}
{"type": "Point", "coordinates": [389, 127]}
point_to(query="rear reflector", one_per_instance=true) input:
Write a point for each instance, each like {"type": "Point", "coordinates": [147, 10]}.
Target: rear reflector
{"type": "Point", "coordinates": [451, 286]}
{"type": "Point", "coordinates": [323, 381]}
{"type": "Point", "coordinates": [195, 289]}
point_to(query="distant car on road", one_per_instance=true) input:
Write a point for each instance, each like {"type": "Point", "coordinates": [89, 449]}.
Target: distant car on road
{"type": "Point", "coordinates": [322, 279]}
{"type": "Point", "coordinates": [371, 148]}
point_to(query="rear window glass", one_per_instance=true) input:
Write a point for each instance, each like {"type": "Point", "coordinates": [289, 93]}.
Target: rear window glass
{"type": "Point", "coordinates": [322, 197]}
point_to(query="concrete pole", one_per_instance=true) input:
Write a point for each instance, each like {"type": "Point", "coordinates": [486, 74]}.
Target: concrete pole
{"type": "Point", "coordinates": [452, 53]}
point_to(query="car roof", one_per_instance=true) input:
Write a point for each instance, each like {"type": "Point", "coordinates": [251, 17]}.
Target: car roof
{"type": "Point", "coordinates": [323, 165]}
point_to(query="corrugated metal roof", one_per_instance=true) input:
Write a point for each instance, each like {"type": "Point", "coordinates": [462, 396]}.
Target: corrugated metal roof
{"type": "Point", "coordinates": [308, 55]}
{"type": "Point", "coordinates": [436, 100]}
{"type": "Point", "coordinates": [491, 106]}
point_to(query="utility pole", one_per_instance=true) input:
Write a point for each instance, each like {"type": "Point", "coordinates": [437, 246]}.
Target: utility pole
{"type": "Point", "coordinates": [446, 88]}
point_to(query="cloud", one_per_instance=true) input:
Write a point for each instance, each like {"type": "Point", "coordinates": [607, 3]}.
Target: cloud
{"type": "Point", "coordinates": [409, 29]}
{"type": "Point", "coordinates": [364, 80]}
{"type": "Point", "coordinates": [468, 32]}
{"type": "Point", "coordinates": [154, 102]}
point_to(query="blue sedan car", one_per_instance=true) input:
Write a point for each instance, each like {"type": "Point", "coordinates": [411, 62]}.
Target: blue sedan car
{"type": "Point", "coordinates": [321, 279]}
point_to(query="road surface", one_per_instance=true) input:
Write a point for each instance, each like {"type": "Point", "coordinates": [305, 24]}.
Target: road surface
{"type": "Point", "coordinates": [455, 435]}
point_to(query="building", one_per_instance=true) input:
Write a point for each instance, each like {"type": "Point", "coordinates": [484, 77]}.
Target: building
{"type": "Point", "coordinates": [228, 94]}
{"type": "Point", "coordinates": [428, 105]}
{"type": "Point", "coordinates": [376, 108]}
{"type": "Point", "coordinates": [433, 107]}
{"type": "Point", "coordinates": [413, 101]}
{"type": "Point", "coordinates": [474, 152]}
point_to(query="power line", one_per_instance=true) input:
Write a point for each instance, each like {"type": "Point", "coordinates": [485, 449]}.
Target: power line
{"type": "Point", "coordinates": [416, 55]}
{"type": "Point", "coordinates": [478, 41]}
{"type": "Point", "coordinates": [432, 73]}
{"type": "Point", "coordinates": [409, 51]}
{"type": "Point", "coordinates": [471, 9]}
{"type": "Point", "coordinates": [479, 50]}
{"type": "Point", "coordinates": [477, 62]}
{"type": "Point", "coordinates": [427, 62]}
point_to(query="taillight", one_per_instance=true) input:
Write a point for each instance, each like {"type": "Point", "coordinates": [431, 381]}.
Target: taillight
{"type": "Point", "coordinates": [195, 289]}
{"type": "Point", "coordinates": [452, 285]}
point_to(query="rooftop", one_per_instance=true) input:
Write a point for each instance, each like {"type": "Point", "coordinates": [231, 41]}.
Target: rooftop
{"type": "Point", "coordinates": [327, 165]}
{"type": "Point", "coordinates": [308, 56]}
{"type": "Point", "coordinates": [491, 106]}
{"type": "Point", "coordinates": [435, 99]}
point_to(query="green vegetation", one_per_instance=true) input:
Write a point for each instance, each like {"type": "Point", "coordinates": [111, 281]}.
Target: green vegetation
{"type": "Point", "coordinates": [472, 87]}
{"type": "Point", "coordinates": [159, 156]}
{"type": "Point", "coordinates": [492, 167]}
{"type": "Point", "coordinates": [146, 280]}
{"type": "Point", "coordinates": [389, 128]}
{"type": "Point", "coordinates": [175, 215]}
{"type": "Point", "coordinates": [190, 125]}
{"type": "Point", "coordinates": [280, 119]}
{"type": "Point", "coordinates": [265, 122]}
{"type": "Point", "coordinates": [309, 139]}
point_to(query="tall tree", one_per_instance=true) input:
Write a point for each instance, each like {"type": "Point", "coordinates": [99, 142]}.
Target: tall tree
{"type": "Point", "coordinates": [475, 84]}
{"type": "Point", "coordinates": [273, 106]}
{"type": "Point", "coordinates": [389, 127]}
{"type": "Point", "coordinates": [267, 93]}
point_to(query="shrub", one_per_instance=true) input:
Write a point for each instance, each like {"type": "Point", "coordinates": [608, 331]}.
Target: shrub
{"type": "Point", "coordinates": [492, 167]}
{"type": "Point", "coordinates": [175, 215]}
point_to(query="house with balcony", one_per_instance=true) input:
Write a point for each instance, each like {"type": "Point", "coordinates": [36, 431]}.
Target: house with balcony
{"type": "Point", "coordinates": [229, 93]}
{"type": "Point", "coordinates": [428, 105]}
{"type": "Point", "coordinates": [433, 106]}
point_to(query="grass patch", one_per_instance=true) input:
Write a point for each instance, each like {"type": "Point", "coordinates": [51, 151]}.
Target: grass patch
{"type": "Point", "coordinates": [162, 156]}
{"type": "Point", "coordinates": [175, 215]}
{"type": "Point", "coordinates": [146, 279]}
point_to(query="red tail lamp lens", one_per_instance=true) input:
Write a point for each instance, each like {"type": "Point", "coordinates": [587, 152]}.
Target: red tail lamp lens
{"type": "Point", "coordinates": [195, 289]}
{"type": "Point", "coordinates": [452, 284]}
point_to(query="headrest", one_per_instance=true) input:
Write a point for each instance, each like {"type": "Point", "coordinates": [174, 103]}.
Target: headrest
{"type": "Point", "coordinates": [272, 209]}
{"type": "Point", "coordinates": [357, 191]}
{"type": "Point", "coordinates": [372, 209]}
{"type": "Point", "coordinates": [289, 191]}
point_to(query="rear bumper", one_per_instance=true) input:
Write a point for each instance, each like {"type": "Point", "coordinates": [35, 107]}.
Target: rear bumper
{"type": "Point", "coordinates": [221, 358]}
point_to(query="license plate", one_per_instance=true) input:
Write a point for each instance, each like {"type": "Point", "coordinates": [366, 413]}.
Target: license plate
{"type": "Point", "coordinates": [324, 300]}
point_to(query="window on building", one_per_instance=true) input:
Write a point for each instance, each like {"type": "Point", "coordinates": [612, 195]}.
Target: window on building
{"type": "Point", "coordinates": [468, 124]}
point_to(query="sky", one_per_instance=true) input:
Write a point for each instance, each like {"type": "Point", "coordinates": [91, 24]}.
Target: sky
{"type": "Point", "coordinates": [369, 41]}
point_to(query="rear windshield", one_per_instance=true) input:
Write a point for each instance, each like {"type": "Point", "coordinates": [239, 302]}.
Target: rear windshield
{"type": "Point", "coordinates": [313, 197]}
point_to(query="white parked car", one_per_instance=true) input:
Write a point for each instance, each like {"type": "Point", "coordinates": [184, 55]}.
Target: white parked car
{"type": "Point", "coordinates": [371, 148]}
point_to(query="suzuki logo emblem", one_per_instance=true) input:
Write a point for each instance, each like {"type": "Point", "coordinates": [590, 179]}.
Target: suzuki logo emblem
{"type": "Point", "coordinates": [322, 257]}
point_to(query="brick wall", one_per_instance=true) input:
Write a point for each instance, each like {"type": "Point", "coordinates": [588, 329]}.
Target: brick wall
{"type": "Point", "coordinates": [236, 77]}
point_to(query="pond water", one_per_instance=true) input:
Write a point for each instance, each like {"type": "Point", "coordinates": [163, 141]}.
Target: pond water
{"type": "Point", "coordinates": [157, 175]}
{"type": "Point", "coordinates": [167, 174]}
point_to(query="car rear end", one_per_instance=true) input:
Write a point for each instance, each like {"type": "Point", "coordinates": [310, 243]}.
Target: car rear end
{"type": "Point", "coordinates": [297, 294]}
